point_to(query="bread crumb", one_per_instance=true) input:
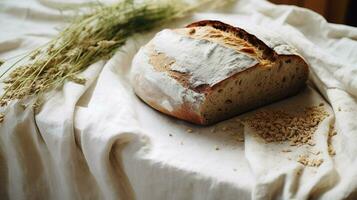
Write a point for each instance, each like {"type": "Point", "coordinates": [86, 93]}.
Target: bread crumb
{"type": "Point", "coordinates": [2, 116]}
{"type": "Point", "coordinates": [311, 143]}
{"type": "Point", "coordinates": [292, 144]}
{"type": "Point", "coordinates": [331, 151]}
{"type": "Point", "coordinates": [286, 150]}
{"type": "Point", "coordinates": [189, 130]}
{"type": "Point", "coordinates": [279, 125]}
{"type": "Point", "coordinates": [307, 161]}
{"type": "Point", "coordinates": [318, 162]}
{"type": "Point", "coordinates": [216, 148]}
{"type": "Point", "coordinates": [321, 104]}
{"type": "Point", "coordinates": [303, 159]}
{"type": "Point", "coordinates": [332, 132]}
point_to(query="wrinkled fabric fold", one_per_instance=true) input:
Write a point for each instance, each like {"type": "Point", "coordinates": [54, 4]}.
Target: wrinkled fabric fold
{"type": "Point", "coordinates": [99, 141]}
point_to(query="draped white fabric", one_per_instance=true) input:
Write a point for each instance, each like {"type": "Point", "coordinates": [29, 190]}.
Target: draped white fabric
{"type": "Point", "coordinates": [99, 141]}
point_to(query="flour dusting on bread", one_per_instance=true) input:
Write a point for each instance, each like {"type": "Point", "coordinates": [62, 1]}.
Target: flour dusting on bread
{"type": "Point", "coordinates": [210, 71]}
{"type": "Point", "coordinates": [200, 58]}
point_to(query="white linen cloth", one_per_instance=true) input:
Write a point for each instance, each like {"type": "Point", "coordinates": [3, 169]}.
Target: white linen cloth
{"type": "Point", "coordinates": [99, 141]}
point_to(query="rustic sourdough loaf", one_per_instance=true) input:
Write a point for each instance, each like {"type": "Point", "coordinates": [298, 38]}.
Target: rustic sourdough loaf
{"type": "Point", "coordinates": [211, 71]}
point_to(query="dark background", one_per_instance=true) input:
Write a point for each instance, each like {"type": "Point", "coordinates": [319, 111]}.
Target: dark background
{"type": "Point", "coordinates": [335, 11]}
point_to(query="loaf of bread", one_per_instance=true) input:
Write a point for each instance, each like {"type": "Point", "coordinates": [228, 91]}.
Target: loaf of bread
{"type": "Point", "coordinates": [210, 71]}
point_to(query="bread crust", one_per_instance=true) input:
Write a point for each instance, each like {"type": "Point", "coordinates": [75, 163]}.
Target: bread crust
{"type": "Point", "coordinates": [186, 112]}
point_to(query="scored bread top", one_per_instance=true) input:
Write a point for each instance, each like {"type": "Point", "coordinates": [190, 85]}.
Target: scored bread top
{"type": "Point", "coordinates": [265, 41]}
{"type": "Point", "coordinates": [238, 34]}
{"type": "Point", "coordinates": [205, 53]}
